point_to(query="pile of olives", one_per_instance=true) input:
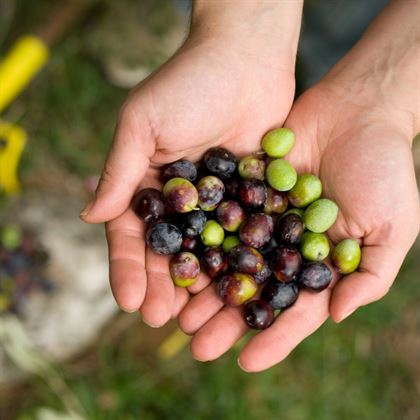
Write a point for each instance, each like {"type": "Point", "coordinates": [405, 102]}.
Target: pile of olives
{"type": "Point", "coordinates": [249, 224]}
{"type": "Point", "coordinates": [23, 264]}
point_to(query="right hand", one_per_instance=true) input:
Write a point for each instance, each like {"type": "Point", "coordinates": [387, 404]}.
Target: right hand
{"type": "Point", "coordinates": [215, 91]}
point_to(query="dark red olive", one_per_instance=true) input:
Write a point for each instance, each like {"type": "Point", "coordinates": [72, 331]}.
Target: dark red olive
{"type": "Point", "coordinates": [230, 215]}
{"type": "Point", "coordinates": [252, 194]}
{"type": "Point", "coordinates": [214, 262]}
{"type": "Point", "coordinates": [257, 230]}
{"type": "Point", "coordinates": [289, 229]}
{"type": "Point", "coordinates": [149, 204]}
{"type": "Point", "coordinates": [235, 289]}
{"type": "Point", "coordinates": [193, 245]}
{"type": "Point", "coordinates": [286, 263]}
{"type": "Point", "coordinates": [276, 201]}
{"type": "Point", "coordinates": [245, 259]}
{"type": "Point", "coordinates": [258, 314]}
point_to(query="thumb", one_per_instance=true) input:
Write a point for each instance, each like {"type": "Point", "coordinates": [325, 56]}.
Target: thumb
{"type": "Point", "coordinates": [380, 263]}
{"type": "Point", "coordinates": [124, 168]}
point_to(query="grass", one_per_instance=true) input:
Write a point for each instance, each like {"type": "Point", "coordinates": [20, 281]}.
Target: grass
{"type": "Point", "coordinates": [365, 368]}
{"type": "Point", "coordinates": [355, 369]}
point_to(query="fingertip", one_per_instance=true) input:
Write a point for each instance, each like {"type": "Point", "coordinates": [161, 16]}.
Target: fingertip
{"type": "Point", "coordinates": [241, 366]}
{"type": "Point", "coordinates": [159, 300]}
{"type": "Point", "coordinates": [338, 317]}
{"type": "Point", "coordinates": [181, 299]}
{"type": "Point", "coordinates": [198, 351]}
{"type": "Point", "coordinates": [156, 313]}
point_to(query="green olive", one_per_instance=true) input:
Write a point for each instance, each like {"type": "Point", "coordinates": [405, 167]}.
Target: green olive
{"type": "Point", "coordinates": [281, 175]}
{"type": "Point", "coordinates": [212, 234]}
{"type": "Point", "coordinates": [307, 189]}
{"type": "Point", "coordinates": [320, 215]}
{"type": "Point", "coordinates": [314, 246]}
{"type": "Point", "coordinates": [230, 242]}
{"type": "Point", "coordinates": [346, 256]}
{"type": "Point", "coordinates": [278, 142]}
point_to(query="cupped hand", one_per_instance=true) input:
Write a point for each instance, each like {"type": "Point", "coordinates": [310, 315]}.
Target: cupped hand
{"type": "Point", "coordinates": [362, 154]}
{"type": "Point", "coordinates": [210, 93]}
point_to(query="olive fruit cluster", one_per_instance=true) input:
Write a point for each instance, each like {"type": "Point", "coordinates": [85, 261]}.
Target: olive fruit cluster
{"type": "Point", "coordinates": [253, 225]}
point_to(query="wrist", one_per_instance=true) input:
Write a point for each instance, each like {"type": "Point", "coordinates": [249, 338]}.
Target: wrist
{"type": "Point", "coordinates": [381, 70]}
{"type": "Point", "coordinates": [268, 31]}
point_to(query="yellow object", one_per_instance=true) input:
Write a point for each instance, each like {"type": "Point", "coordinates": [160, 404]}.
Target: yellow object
{"type": "Point", "coordinates": [19, 66]}
{"type": "Point", "coordinates": [173, 344]}
{"type": "Point", "coordinates": [12, 142]}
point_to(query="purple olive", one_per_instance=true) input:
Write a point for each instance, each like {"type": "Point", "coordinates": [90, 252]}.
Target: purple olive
{"type": "Point", "coordinates": [263, 275]}
{"type": "Point", "coordinates": [286, 263]}
{"type": "Point", "coordinates": [193, 245]}
{"type": "Point", "coordinates": [149, 204]}
{"type": "Point", "coordinates": [230, 215]}
{"type": "Point", "coordinates": [184, 268]}
{"type": "Point", "coordinates": [191, 223]}
{"type": "Point", "coordinates": [235, 289]}
{"type": "Point", "coordinates": [276, 201]}
{"type": "Point", "coordinates": [214, 262]}
{"type": "Point", "coordinates": [268, 249]}
{"type": "Point", "coordinates": [220, 162]}
{"type": "Point", "coordinates": [280, 295]}
{"type": "Point", "coordinates": [180, 169]}
{"type": "Point", "coordinates": [245, 259]}
{"type": "Point", "coordinates": [164, 238]}
{"type": "Point", "coordinates": [289, 229]}
{"type": "Point", "coordinates": [252, 194]}
{"type": "Point", "coordinates": [231, 188]}
{"type": "Point", "coordinates": [257, 230]}
{"type": "Point", "coordinates": [258, 314]}
{"type": "Point", "coordinates": [181, 195]}
{"type": "Point", "coordinates": [210, 192]}
{"type": "Point", "coordinates": [316, 276]}
{"type": "Point", "coordinates": [251, 167]}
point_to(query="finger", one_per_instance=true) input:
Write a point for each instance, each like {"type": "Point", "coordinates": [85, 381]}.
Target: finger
{"type": "Point", "coordinates": [124, 168]}
{"type": "Point", "coordinates": [219, 334]}
{"type": "Point", "coordinates": [302, 156]}
{"type": "Point", "coordinates": [180, 300]}
{"type": "Point", "coordinates": [158, 303]}
{"type": "Point", "coordinates": [127, 273]}
{"type": "Point", "coordinates": [377, 271]}
{"type": "Point", "coordinates": [202, 282]}
{"type": "Point", "coordinates": [200, 309]}
{"type": "Point", "coordinates": [292, 326]}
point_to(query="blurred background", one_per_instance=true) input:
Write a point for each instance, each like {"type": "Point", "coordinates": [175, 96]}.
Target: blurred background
{"type": "Point", "coordinates": [66, 351]}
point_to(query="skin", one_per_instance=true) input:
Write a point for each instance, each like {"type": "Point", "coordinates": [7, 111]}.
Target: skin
{"type": "Point", "coordinates": [353, 129]}
{"type": "Point", "coordinates": [215, 70]}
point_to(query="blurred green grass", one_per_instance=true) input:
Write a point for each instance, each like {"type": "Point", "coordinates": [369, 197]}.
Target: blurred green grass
{"type": "Point", "coordinates": [368, 367]}
{"type": "Point", "coordinates": [363, 368]}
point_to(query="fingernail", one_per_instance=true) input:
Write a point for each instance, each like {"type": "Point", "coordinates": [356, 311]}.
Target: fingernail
{"type": "Point", "coordinates": [239, 364]}
{"type": "Point", "coordinates": [129, 311]}
{"type": "Point", "coordinates": [151, 325]}
{"type": "Point", "coordinates": [87, 209]}
{"type": "Point", "coordinates": [347, 314]}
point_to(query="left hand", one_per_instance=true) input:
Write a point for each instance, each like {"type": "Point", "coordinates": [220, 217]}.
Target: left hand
{"type": "Point", "coordinates": [358, 141]}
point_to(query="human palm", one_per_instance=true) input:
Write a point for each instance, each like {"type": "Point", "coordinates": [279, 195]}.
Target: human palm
{"type": "Point", "coordinates": [203, 97]}
{"type": "Point", "coordinates": [363, 158]}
